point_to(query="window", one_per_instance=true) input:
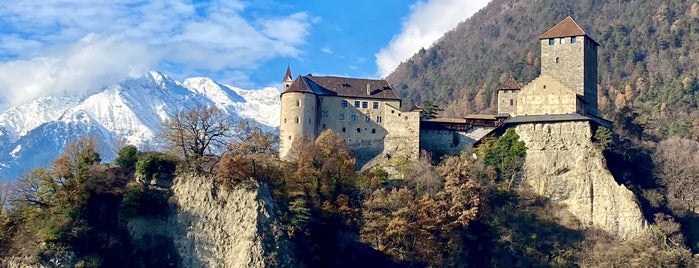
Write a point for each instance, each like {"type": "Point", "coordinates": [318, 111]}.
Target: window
{"type": "Point", "coordinates": [309, 120]}
{"type": "Point", "coordinates": [378, 119]}
{"type": "Point", "coordinates": [289, 137]}
{"type": "Point", "coordinates": [367, 118]}
{"type": "Point", "coordinates": [284, 120]}
{"type": "Point", "coordinates": [562, 40]}
{"type": "Point", "coordinates": [572, 40]}
{"type": "Point", "coordinates": [298, 120]}
{"type": "Point", "coordinates": [365, 104]}
{"type": "Point", "coordinates": [298, 102]}
{"type": "Point", "coordinates": [353, 117]}
{"type": "Point", "coordinates": [558, 60]}
{"type": "Point", "coordinates": [342, 117]}
{"type": "Point", "coordinates": [344, 103]}
{"type": "Point", "coordinates": [325, 114]}
{"type": "Point", "coordinates": [376, 105]}
{"type": "Point", "coordinates": [512, 102]}
{"type": "Point", "coordinates": [356, 104]}
{"type": "Point", "coordinates": [344, 129]}
{"type": "Point", "coordinates": [373, 131]}
{"type": "Point", "coordinates": [552, 41]}
{"type": "Point", "coordinates": [324, 126]}
{"type": "Point", "coordinates": [359, 130]}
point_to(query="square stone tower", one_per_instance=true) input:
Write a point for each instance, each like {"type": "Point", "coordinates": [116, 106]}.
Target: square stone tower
{"type": "Point", "coordinates": [569, 55]}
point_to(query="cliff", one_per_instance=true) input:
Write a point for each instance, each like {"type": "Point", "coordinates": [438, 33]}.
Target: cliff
{"type": "Point", "coordinates": [563, 165]}
{"type": "Point", "coordinates": [211, 226]}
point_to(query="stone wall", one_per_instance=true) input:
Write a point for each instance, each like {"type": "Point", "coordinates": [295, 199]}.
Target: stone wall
{"type": "Point", "coordinates": [451, 142]}
{"type": "Point", "coordinates": [546, 95]}
{"type": "Point", "coordinates": [563, 165]}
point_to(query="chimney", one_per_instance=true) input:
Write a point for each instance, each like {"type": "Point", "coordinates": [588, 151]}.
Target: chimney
{"type": "Point", "coordinates": [368, 89]}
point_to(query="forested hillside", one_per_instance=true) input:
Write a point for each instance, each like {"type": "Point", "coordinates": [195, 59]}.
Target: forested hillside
{"type": "Point", "coordinates": [648, 59]}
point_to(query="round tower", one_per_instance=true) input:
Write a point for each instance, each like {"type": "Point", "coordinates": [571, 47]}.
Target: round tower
{"type": "Point", "coordinates": [298, 115]}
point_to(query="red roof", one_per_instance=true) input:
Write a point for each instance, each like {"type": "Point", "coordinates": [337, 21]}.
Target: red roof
{"type": "Point", "coordinates": [510, 83]}
{"type": "Point", "coordinates": [566, 28]}
{"type": "Point", "coordinates": [343, 86]}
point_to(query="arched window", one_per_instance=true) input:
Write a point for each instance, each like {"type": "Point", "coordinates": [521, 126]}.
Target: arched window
{"type": "Point", "coordinates": [298, 102]}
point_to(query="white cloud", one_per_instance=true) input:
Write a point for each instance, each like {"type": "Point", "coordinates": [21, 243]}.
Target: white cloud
{"type": "Point", "coordinates": [89, 64]}
{"type": "Point", "coordinates": [427, 22]}
{"type": "Point", "coordinates": [76, 45]}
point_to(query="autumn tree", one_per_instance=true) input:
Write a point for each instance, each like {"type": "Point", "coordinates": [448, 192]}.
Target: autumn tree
{"type": "Point", "coordinates": [199, 135]}
{"type": "Point", "coordinates": [250, 153]}
{"type": "Point", "coordinates": [677, 167]}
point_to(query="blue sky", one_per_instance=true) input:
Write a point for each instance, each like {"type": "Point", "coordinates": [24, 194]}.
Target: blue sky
{"type": "Point", "coordinates": [51, 46]}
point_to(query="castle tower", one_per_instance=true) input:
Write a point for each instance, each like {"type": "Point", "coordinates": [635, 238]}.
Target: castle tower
{"type": "Point", "coordinates": [298, 114]}
{"type": "Point", "coordinates": [507, 96]}
{"type": "Point", "coordinates": [569, 55]}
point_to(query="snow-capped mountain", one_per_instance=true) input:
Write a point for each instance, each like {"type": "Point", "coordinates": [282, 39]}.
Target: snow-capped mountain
{"type": "Point", "coordinates": [35, 133]}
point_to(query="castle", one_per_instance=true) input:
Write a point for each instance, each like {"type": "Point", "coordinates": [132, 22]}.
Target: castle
{"type": "Point", "coordinates": [368, 113]}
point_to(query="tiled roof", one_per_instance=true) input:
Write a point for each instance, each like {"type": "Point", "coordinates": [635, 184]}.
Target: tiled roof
{"type": "Point", "coordinates": [510, 83]}
{"type": "Point", "coordinates": [343, 86]}
{"type": "Point", "coordinates": [567, 27]}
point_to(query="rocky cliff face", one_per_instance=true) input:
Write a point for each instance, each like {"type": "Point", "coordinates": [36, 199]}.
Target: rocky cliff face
{"type": "Point", "coordinates": [215, 227]}
{"type": "Point", "coordinates": [563, 165]}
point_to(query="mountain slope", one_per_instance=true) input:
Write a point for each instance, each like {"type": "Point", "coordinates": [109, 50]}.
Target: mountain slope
{"type": "Point", "coordinates": [33, 134]}
{"type": "Point", "coordinates": [647, 57]}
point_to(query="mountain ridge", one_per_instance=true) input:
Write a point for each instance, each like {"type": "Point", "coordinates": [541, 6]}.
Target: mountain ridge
{"type": "Point", "coordinates": [132, 111]}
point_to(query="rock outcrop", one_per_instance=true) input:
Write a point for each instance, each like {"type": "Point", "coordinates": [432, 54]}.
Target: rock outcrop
{"type": "Point", "coordinates": [563, 165]}
{"type": "Point", "coordinates": [211, 226]}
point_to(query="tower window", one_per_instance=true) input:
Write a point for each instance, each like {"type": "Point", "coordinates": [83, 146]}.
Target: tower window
{"type": "Point", "coordinates": [373, 131]}
{"type": "Point", "coordinates": [344, 129]}
{"type": "Point", "coordinates": [353, 117]}
{"type": "Point", "coordinates": [572, 40]}
{"type": "Point", "coordinates": [325, 114]}
{"type": "Point", "coordinates": [359, 130]}
{"type": "Point", "coordinates": [552, 41]}
{"type": "Point", "coordinates": [298, 120]}
{"type": "Point", "coordinates": [512, 102]}
{"type": "Point", "coordinates": [558, 60]}
{"type": "Point", "coordinates": [298, 102]}
{"type": "Point", "coordinates": [378, 119]}
{"type": "Point", "coordinates": [342, 117]}
{"type": "Point", "coordinates": [376, 105]}
{"type": "Point", "coordinates": [284, 120]}
{"type": "Point", "coordinates": [309, 120]}
{"type": "Point", "coordinates": [356, 104]}
{"type": "Point", "coordinates": [344, 103]}
{"type": "Point", "coordinates": [365, 104]}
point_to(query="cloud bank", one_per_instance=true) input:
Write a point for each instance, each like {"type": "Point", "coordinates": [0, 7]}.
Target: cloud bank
{"type": "Point", "coordinates": [427, 22]}
{"type": "Point", "coordinates": [57, 45]}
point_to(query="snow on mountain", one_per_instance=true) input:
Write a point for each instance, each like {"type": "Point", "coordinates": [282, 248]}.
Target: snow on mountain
{"type": "Point", "coordinates": [33, 134]}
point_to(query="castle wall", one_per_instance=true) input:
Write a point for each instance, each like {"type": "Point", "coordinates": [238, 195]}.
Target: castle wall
{"type": "Point", "coordinates": [507, 101]}
{"type": "Point", "coordinates": [565, 61]}
{"type": "Point", "coordinates": [545, 95]}
{"type": "Point", "coordinates": [591, 77]}
{"type": "Point", "coordinates": [298, 120]}
{"type": "Point", "coordinates": [451, 142]}
{"type": "Point", "coordinates": [403, 133]}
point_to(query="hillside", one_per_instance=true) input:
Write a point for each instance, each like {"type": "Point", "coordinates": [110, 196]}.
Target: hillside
{"type": "Point", "coordinates": [648, 59]}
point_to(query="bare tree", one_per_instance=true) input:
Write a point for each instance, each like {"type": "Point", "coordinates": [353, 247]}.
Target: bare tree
{"type": "Point", "coordinates": [677, 167]}
{"type": "Point", "coordinates": [4, 194]}
{"type": "Point", "coordinates": [199, 135]}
